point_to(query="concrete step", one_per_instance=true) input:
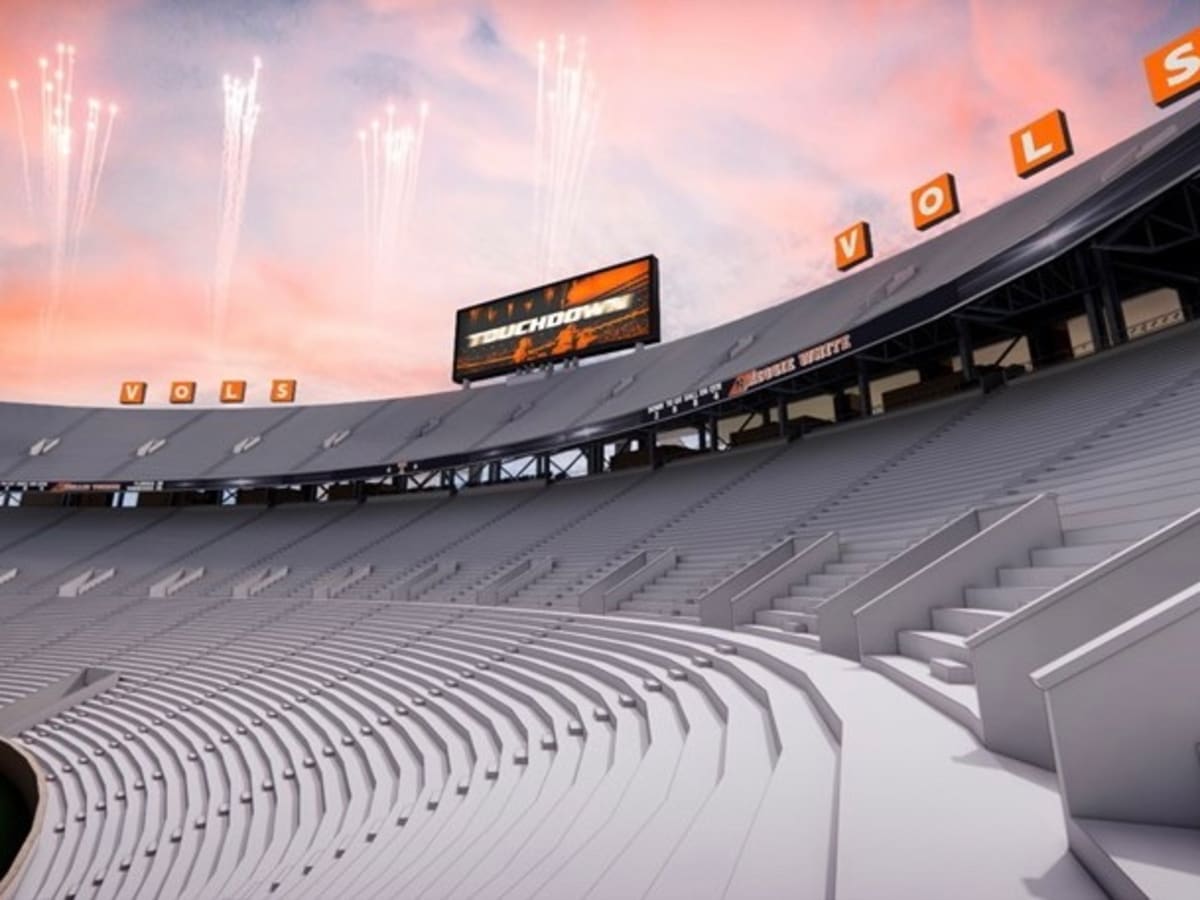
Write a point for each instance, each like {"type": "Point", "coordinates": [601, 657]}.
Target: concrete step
{"type": "Point", "coordinates": [674, 615]}
{"type": "Point", "coordinates": [1007, 599]}
{"type": "Point", "coordinates": [669, 590]}
{"type": "Point", "coordinates": [837, 582]}
{"type": "Point", "coordinates": [797, 604]}
{"type": "Point", "coordinates": [786, 619]}
{"type": "Point", "coordinates": [656, 607]}
{"type": "Point", "coordinates": [925, 645]}
{"type": "Point", "coordinates": [890, 546]}
{"type": "Point", "coordinates": [951, 671]}
{"type": "Point", "coordinates": [857, 569]}
{"type": "Point", "coordinates": [1038, 576]}
{"type": "Point", "coordinates": [804, 639]}
{"type": "Point", "coordinates": [958, 701]}
{"type": "Point", "coordinates": [1080, 555]}
{"type": "Point", "coordinates": [873, 558]}
{"type": "Point", "coordinates": [963, 620]}
{"type": "Point", "coordinates": [813, 590]}
{"type": "Point", "coordinates": [1102, 534]}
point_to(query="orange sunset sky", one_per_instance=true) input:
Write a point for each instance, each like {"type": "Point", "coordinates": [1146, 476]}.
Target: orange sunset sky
{"type": "Point", "coordinates": [733, 141]}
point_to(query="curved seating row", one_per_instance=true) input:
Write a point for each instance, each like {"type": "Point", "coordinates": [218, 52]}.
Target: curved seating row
{"type": "Point", "coordinates": [310, 747]}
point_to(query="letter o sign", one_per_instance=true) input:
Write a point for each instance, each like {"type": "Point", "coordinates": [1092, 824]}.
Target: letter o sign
{"type": "Point", "coordinates": [183, 392]}
{"type": "Point", "coordinates": [935, 202]}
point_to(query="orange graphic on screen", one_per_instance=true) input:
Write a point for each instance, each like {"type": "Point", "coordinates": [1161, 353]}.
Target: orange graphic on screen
{"type": "Point", "coordinates": [591, 313]}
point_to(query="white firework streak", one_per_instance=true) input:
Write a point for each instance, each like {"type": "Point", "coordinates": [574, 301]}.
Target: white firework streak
{"type": "Point", "coordinates": [14, 87]}
{"type": "Point", "coordinates": [389, 176]}
{"type": "Point", "coordinates": [366, 193]}
{"type": "Point", "coordinates": [86, 175]}
{"type": "Point", "coordinates": [94, 190]}
{"type": "Point", "coordinates": [567, 113]}
{"type": "Point", "coordinates": [241, 119]}
{"type": "Point", "coordinates": [68, 189]}
{"type": "Point", "coordinates": [47, 97]}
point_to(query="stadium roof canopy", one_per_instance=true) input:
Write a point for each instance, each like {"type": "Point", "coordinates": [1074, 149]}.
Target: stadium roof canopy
{"type": "Point", "coordinates": [614, 396]}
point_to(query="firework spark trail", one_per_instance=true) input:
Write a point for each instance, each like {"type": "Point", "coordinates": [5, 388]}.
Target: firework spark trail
{"type": "Point", "coordinates": [539, 136]}
{"type": "Point", "coordinates": [414, 173]}
{"type": "Point", "coordinates": [366, 192]}
{"type": "Point", "coordinates": [86, 174]}
{"type": "Point", "coordinates": [95, 188]}
{"type": "Point", "coordinates": [241, 120]}
{"type": "Point", "coordinates": [62, 186]}
{"type": "Point", "coordinates": [14, 87]}
{"type": "Point", "coordinates": [567, 113]}
{"type": "Point", "coordinates": [47, 96]}
{"type": "Point", "coordinates": [68, 189]}
{"type": "Point", "coordinates": [587, 118]}
{"type": "Point", "coordinates": [389, 173]}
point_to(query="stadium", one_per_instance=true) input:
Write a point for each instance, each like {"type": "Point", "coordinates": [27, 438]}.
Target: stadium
{"type": "Point", "coordinates": [889, 590]}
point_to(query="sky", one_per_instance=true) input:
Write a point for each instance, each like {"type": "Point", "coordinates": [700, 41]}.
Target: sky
{"type": "Point", "coordinates": [731, 140]}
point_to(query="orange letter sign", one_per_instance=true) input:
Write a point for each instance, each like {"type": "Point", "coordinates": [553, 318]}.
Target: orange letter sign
{"type": "Point", "coordinates": [233, 391]}
{"type": "Point", "coordinates": [852, 246]}
{"type": "Point", "coordinates": [283, 391]}
{"type": "Point", "coordinates": [1174, 70]}
{"type": "Point", "coordinates": [1041, 144]}
{"type": "Point", "coordinates": [935, 202]}
{"type": "Point", "coordinates": [133, 393]}
{"type": "Point", "coordinates": [183, 391]}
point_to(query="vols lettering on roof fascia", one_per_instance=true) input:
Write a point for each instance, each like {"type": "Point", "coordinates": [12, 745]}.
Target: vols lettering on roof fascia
{"type": "Point", "coordinates": [606, 307]}
{"type": "Point", "coordinates": [1172, 72]}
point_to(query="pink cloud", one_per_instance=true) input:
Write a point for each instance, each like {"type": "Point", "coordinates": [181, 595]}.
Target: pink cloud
{"type": "Point", "coordinates": [734, 143]}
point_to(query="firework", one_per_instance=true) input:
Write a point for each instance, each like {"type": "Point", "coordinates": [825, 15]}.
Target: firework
{"type": "Point", "coordinates": [14, 88]}
{"type": "Point", "coordinates": [390, 164]}
{"type": "Point", "coordinates": [567, 111]}
{"type": "Point", "coordinates": [241, 119]}
{"type": "Point", "coordinates": [62, 219]}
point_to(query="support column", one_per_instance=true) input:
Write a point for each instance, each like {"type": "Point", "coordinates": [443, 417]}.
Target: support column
{"type": "Point", "coordinates": [1189, 299]}
{"type": "Point", "coordinates": [864, 388]}
{"type": "Point", "coordinates": [966, 349]}
{"type": "Point", "coordinates": [1082, 272]}
{"type": "Point", "coordinates": [781, 413]}
{"type": "Point", "coordinates": [1110, 301]}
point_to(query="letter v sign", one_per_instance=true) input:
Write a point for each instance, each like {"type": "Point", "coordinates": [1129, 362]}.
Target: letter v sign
{"type": "Point", "coordinates": [852, 246]}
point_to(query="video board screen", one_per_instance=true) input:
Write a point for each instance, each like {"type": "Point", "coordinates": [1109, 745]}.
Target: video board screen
{"type": "Point", "coordinates": [598, 312]}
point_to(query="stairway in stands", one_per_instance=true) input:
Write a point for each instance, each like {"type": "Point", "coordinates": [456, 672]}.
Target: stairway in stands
{"type": "Point", "coordinates": [794, 613]}
{"type": "Point", "coordinates": [606, 540]}
{"type": "Point", "coordinates": [777, 500]}
{"type": "Point", "coordinates": [935, 662]}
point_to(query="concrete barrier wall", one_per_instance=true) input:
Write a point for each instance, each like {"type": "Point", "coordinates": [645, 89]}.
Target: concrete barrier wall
{"type": "Point", "coordinates": [654, 567]}
{"type": "Point", "coordinates": [1005, 542]}
{"type": "Point", "coordinates": [835, 617]}
{"type": "Point", "coordinates": [1005, 654]}
{"type": "Point", "coordinates": [591, 598]}
{"type": "Point", "coordinates": [54, 698]}
{"type": "Point", "coordinates": [1138, 762]}
{"type": "Point", "coordinates": [753, 588]}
